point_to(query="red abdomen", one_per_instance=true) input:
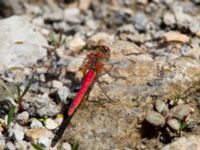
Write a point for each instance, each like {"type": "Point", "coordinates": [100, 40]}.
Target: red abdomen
{"type": "Point", "coordinates": [88, 80]}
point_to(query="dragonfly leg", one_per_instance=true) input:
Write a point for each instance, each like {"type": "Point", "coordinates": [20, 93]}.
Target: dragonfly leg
{"type": "Point", "coordinates": [99, 84]}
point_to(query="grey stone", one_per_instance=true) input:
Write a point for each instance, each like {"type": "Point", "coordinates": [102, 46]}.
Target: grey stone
{"type": "Point", "coordinates": [9, 146]}
{"type": "Point", "coordinates": [15, 29]}
{"type": "Point", "coordinates": [56, 16]}
{"type": "Point", "coordinates": [92, 24]}
{"type": "Point", "coordinates": [44, 141]}
{"type": "Point", "coordinates": [72, 15]}
{"type": "Point", "coordinates": [140, 21]}
{"type": "Point", "coordinates": [2, 142]}
{"type": "Point", "coordinates": [23, 117]}
{"type": "Point", "coordinates": [144, 2]}
{"type": "Point", "coordinates": [184, 143]}
{"type": "Point", "coordinates": [42, 105]}
{"type": "Point", "coordinates": [35, 123]}
{"type": "Point", "coordinates": [129, 28]}
{"type": "Point", "coordinates": [16, 132]}
{"type": "Point", "coordinates": [41, 136]}
{"type": "Point", "coordinates": [64, 92]}
{"type": "Point", "coordinates": [66, 146]}
{"type": "Point", "coordinates": [195, 26]}
{"type": "Point", "coordinates": [169, 19]}
{"type": "Point", "coordinates": [183, 20]}
{"type": "Point", "coordinates": [22, 145]}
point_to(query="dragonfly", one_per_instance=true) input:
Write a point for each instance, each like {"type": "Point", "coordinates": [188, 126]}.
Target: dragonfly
{"type": "Point", "coordinates": [111, 64]}
{"type": "Point", "coordinates": [91, 69]}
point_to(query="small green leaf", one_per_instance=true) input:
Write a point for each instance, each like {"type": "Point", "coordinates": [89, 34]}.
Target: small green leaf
{"type": "Point", "coordinates": [183, 125]}
{"type": "Point", "coordinates": [10, 115]}
{"type": "Point", "coordinates": [37, 146]}
{"type": "Point", "coordinates": [75, 146]}
{"type": "Point", "coordinates": [27, 88]}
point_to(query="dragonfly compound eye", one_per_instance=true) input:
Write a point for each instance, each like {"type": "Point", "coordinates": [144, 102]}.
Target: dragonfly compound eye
{"type": "Point", "coordinates": [105, 50]}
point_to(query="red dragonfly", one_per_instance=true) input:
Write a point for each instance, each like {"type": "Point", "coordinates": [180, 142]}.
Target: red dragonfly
{"type": "Point", "coordinates": [91, 69]}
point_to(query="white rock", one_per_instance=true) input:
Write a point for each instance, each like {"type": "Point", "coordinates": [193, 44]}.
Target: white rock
{"type": "Point", "coordinates": [40, 135]}
{"type": "Point", "coordinates": [44, 141]}
{"type": "Point", "coordinates": [18, 29]}
{"type": "Point", "coordinates": [66, 146]}
{"type": "Point", "coordinates": [22, 145]}
{"type": "Point", "coordinates": [57, 84]}
{"type": "Point", "coordinates": [64, 92]}
{"type": "Point", "coordinates": [144, 2]}
{"type": "Point", "coordinates": [10, 146]}
{"type": "Point", "coordinates": [35, 123]}
{"type": "Point", "coordinates": [101, 37]}
{"type": "Point", "coordinates": [72, 15]}
{"type": "Point", "coordinates": [184, 143]}
{"type": "Point", "coordinates": [76, 43]}
{"type": "Point", "coordinates": [169, 19]}
{"type": "Point", "coordinates": [91, 24]}
{"type": "Point", "coordinates": [50, 124]}
{"type": "Point", "coordinates": [16, 132]}
{"type": "Point", "coordinates": [75, 63]}
{"type": "Point", "coordinates": [23, 117]}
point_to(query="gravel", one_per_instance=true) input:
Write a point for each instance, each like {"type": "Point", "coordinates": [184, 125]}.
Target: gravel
{"type": "Point", "coordinates": [155, 53]}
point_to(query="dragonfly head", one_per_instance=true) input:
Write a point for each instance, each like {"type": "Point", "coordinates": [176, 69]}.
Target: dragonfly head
{"type": "Point", "coordinates": [105, 50]}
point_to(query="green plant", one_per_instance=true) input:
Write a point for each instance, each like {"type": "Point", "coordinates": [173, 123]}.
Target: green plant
{"type": "Point", "coordinates": [75, 146]}
{"type": "Point", "coordinates": [16, 94]}
{"type": "Point", "coordinates": [56, 39]}
{"type": "Point", "coordinates": [37, 146]}
{"type": "Point", "coordinates": [10, 115]}
{"type": "Point", "coordinates": [43, 119]}
{"type": "Point", "coordinates": [9, 119]}
{"type": "Point", "coordinates": [176, 118]}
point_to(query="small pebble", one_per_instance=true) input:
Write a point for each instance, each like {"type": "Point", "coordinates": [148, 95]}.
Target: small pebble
{"type": "Point", "coordinates": [23, 117]}
{"type": "Point", "coordinates": [173, 36]}
{"type": "Point", "coordinates": [64, 93]}
{"type": "Point", "coordinates": [9, 146]}
{"type": "Point", "coordinates": [57, 84]}
{"type": "Point", "coordinates": [77, 43]}
{"type": "Point", "coordinates": [16, 132]}
{"type": "Point", "coordinates": [140, 21]}
{"type": "Point", "coordinates": [66, 146]}
{"type": "Point", "coordinates": [35, 123]}
{"type": "Point", "coordinates": [143, 2]}
{"type": "Point", "coordinates": [169, 19]}
{"type": "Point", "coordinates": [51, 124]}
{"type": "Point", "coordinates": [72, 15]}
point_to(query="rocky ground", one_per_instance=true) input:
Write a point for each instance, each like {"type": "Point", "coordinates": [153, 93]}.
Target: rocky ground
{"type": "Point", "coordinates": [153, 80]}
